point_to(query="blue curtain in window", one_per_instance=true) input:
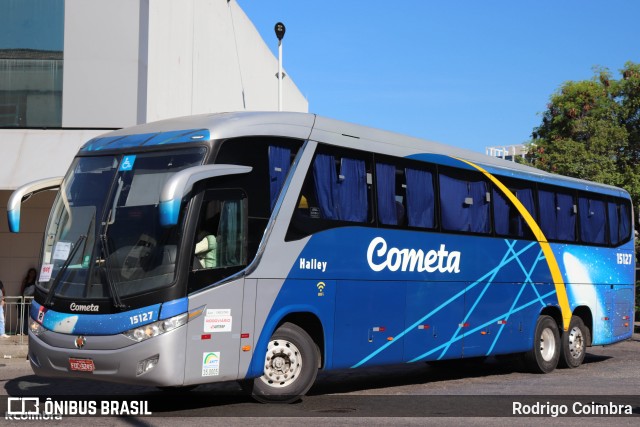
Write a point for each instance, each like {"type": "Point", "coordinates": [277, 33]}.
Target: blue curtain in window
{"type": "Point", "coordinates": [525, 195]}
{"type": "Point", "coordinates": [618, 222]}
{"type": "Point", "coordinates": [326, 180]}
{"type": "Point", "coordinates": [624, 221]}
{"type": "Point", "coordinates": [279, 163]}
{"type": "Point", "coordinates": [566, 217]}
{"type": "Point", "coordinates": [352, 191]}
{"type": "Point", "coordinates": [479, 215]}
{"type": "Point", "coordinates": [592, 220]}
{"type": "Point", "coordinates": [420, 198]}
{"type": "Point", "coordinates": [455, 213]}
{"type": "Point", "coordinates": [501, 213]}
{"type": "Point", "coordinates": [386, 188]}
{"type": "Point", "coordinates": [547, 202]}
{"type": "Point", "coordinates": [612, 210]}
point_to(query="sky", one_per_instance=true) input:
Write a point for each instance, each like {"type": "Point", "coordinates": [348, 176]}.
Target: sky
{"type": "Point", "coordinates": [467, 73]}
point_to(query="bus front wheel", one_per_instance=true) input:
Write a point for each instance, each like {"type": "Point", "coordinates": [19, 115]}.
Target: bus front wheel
{"type": "Point", "coordinates": [543, 357]}
{"type": "Point", "coordinates": [574, 344]}
{"type": "Point", "coordinates": [290, 367]}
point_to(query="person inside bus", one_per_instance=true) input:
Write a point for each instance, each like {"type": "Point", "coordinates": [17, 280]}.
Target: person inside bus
{"type": "Point", "coordinates": [206, 249]}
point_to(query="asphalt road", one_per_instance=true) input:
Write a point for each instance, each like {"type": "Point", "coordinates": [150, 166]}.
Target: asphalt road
{"type": "Point", "coordinates": [416, 394]}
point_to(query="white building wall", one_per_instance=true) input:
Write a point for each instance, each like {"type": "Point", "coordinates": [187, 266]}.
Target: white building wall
{"type": "Point", "coordinates": [128, 62]}
{"type": "Point", "coordinates": [207, 56]}
{"type": "Point", "coordinates": [101, 62]}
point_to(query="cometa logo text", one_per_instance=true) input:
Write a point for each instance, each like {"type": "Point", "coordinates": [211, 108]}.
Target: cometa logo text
{"type": "Point", "coordinates": [380, 257]}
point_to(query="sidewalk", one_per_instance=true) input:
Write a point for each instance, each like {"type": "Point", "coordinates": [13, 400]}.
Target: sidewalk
{"type": "Point", "coordinates": [14, 347]}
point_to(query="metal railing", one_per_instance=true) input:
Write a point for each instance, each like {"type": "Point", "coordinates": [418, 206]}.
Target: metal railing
{"type": "Point", "coordinates": [16, 316]}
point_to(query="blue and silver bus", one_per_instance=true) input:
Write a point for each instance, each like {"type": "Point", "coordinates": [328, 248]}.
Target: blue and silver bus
{"type": "Point", "coordinates": [262, 247]}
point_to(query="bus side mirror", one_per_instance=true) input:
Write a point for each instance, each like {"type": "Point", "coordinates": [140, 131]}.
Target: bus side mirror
{"type": "Point", "coordinates": [22, 194]}
{"type": "Point", "coordinates": [181, 183]}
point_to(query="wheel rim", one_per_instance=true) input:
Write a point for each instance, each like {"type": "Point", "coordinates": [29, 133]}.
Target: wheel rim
{"type": "Point", "coordinates": [547, 344]}
{"type": "Point", "coordinates": [576, 342]}
{"type": "Point", "coordinates": [282, 364]}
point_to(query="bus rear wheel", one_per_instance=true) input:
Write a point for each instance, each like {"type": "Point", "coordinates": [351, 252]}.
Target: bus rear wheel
{"type": "Point", "coordinates": [290, 367]}
{"type": "Point", "coordinates": [574, 344]}
{"type": "Point", "coordinates": [543, 357]}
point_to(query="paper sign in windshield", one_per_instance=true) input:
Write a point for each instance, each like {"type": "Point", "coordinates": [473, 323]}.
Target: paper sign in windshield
{"type": "Point", "coordinates": [62, 250]}
{"type": "Point", "coordinates": [45, 272]}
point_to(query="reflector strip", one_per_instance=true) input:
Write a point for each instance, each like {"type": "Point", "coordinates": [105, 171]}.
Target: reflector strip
{"type": "Point", "coordinates": [463, 325]}
{"type": "Point", "coordinates": [205, 336]}
{"type": "Point", "coordinates": [423, 326]}
{"type": "Point", "coordinates": [378, 329]}
{"type": "Point", "coordinates": [605, 318]}
{"type": "Point", "coordinates": [625, 317]}
{"type": "Point", "coordinates": [245, 335]}
{"type": "Point", "coordinates": [502, 322]}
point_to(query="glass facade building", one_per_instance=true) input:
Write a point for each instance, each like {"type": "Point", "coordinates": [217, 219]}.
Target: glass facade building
{"type": "Point", "coordinates": [31, 63]}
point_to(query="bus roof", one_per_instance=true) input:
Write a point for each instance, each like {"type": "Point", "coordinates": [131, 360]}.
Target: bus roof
{"type": "Point", "coordinates": [211, 127]}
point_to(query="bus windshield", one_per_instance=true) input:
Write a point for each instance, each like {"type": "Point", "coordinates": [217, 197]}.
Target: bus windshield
{"type": "Point", "coordinates": [104, 237]}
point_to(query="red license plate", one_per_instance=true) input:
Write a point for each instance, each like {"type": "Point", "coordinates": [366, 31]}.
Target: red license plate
{"type": "Point", "coordinates": [84, 365]}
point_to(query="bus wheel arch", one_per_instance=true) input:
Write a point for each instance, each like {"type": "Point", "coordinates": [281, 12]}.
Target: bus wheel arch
{"type": "Point", "coordinates": [312, 325]}
{"type": "Point", "coordinates": [545, 352]}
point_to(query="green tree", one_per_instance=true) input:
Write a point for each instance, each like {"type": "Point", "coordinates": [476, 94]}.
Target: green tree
{"type": "Point", "coordinates": [591, 130]}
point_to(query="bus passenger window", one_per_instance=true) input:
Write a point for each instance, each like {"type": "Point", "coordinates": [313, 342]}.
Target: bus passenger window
{"type": "Point", "coordinates": [592, 220]}
{"type": "Point", "coordinates": [279, 164]}
{"type": "Point", "coordinates": [465, 203]}
{"type": "Point", "coordinates": [618, 214]}
{"type": "Point", "coordinates": [420, 198]}
{"type": "Point", "coordinates": [557, 215]}
{"type": "Point", "coordinates": [341, 196]}
{"type": "Point", "coordinates": [507, 219]}
{"type": "Point", "coordinates": [388, 211]}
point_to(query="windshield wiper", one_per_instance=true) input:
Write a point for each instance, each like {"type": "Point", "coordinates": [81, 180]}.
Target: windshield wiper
{"type": "Point", "coordinates": [56, 282]}
{"type": "Point", "coordinates": [117, 302]}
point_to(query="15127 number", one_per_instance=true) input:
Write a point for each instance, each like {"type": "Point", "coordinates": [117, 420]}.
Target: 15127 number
{"type": "Point", "coordinates": [142, 317]}
{"type": "Point", "coordinates": [624, 258]}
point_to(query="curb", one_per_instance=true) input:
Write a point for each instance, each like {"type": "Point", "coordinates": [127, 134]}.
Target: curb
{"type": "Point", "coordinates": [14, 347]}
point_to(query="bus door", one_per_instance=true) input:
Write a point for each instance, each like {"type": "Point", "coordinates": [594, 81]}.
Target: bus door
{"type": "Point", "coordinates": [219, 253]}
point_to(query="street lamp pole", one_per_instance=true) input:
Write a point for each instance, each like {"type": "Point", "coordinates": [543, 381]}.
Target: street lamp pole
{"type": "Point", "coordinates": [280, 30]}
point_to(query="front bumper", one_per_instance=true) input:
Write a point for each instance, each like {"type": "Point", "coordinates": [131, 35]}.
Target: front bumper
{"type": "Point", "coordinates": [115, 357]}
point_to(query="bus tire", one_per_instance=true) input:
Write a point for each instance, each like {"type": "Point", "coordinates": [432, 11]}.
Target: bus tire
{"type": "Point", "coordinates": [543, 357]}
{"type": "Point", "coordinates": [574, 344]}
{"type": "Point", "coordinates": [290, 367]}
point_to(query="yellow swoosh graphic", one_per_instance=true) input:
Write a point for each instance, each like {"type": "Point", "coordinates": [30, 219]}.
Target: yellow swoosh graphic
{"type": "Point", "coordinates": [556, 275]}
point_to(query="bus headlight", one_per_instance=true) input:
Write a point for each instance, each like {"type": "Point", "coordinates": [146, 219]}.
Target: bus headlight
{"type": "Point", "coordinates": [154, 329]}
{"type": "Point", "coordinates": [36, 328]}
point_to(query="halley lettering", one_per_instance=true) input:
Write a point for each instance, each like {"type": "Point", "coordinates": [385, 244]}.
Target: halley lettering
{"type": "Point", "coordinates": [396, 259]}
